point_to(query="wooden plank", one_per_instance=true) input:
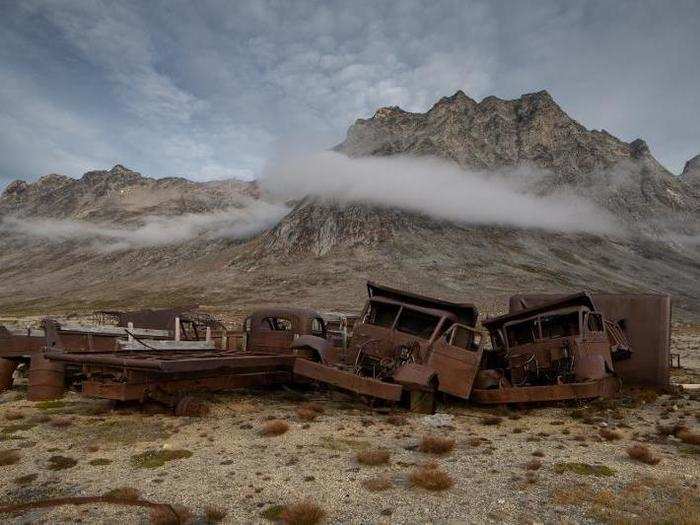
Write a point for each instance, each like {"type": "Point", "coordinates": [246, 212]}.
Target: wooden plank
{"type": "Point", "coordinates": [347, 380]}
{"type": "Point", "coordinates": [166, 345]}
{"type": "Point", "coordinates": [112, 330]}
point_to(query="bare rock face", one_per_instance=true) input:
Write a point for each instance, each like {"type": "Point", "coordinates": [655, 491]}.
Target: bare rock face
{"type": "Point", "coordinates": [495, 134]}
{"type": "Point", "coordinates": [118, 195]}
{"type": "Point", "coordinates": [691, 172]}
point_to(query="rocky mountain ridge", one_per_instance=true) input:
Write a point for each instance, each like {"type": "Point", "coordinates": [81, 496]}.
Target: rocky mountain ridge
{"type": "Point", "coordinates": [321, 252]}
{"type": "Point", "coordinates": [120, 195]}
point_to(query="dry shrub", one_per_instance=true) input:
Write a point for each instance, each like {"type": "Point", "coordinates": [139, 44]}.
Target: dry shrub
{"type": "Point", "coordinates": [430, 478]}
{"type": "Point", "coordinates": [214, 514]}
{"type": "Point", "coordinates": [396, 420]}
{"type": "Point", "coordinates": [475, 442]}
{"type": "Point", "coordinates": [579, 437]}
{"type": "Point", "coordinates": [40, 418]}
{"type": "Point", "coordinates": [306, 414]}
{"type": "Point", "coordinates": [171, 515]}
{"type": "Point", "coordinates": [61, 422]}
{"type": "Point", "coordinates": [9, 457]}
{"type": "Point", "coordinates": [642, 453]}
{"type": "Point", "coordinates": [686, 436]}
{"type": "Point", "coordinates": [491, 420]}
{"type": "Point", "coordinates": [276, 427]}
{"type": "Point", "coordinates": [610, 434]}
{"type": "Point", "coordinates": [668, 430]}
{"type": "Point", "coordinates": [14, 416]}
{"type": "Point", "coordinates": [377, 456]}
{"type": "Point", "coordinates": [314, 407]}
{"type": "Point", "coordinates": [533, 464]}
{"type": "Point", "coordinates": [124, 493]}
{"type": "Point", "coordinates": [303, 513]}
{"type": "Point", "coordinates": [538, 454]}
{"type": "Point", "coordinates": [61, 463]}
{"type": "Point", "coordinates": [377, 484]}
{"type": "Point", "coordinates": [436, 445]}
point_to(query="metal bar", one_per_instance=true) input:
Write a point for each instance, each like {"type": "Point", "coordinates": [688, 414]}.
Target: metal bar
{"type": "Point", "coordinates": [347, 380]}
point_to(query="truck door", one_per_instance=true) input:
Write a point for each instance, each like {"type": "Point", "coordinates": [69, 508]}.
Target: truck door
{"type": "Point", "coordinates": [456, 357]}
{"type": "Point", "coordinates": [272, 334]}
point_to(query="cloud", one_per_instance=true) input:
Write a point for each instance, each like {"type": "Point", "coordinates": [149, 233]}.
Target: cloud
{"type": "Point", "coordinates": [210, 89]}
{"type": "Point", "coordinates": [435, 188]}
{"type": "Point", "coordinates": [233, 223]}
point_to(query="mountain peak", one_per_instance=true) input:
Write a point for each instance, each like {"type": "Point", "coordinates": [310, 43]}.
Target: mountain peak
{"type": "Point", "coordinates": [388, 112]}
{"type": "Point", "coordinates": [691, 171]}
{"type": "Point", "coordinates": [460, 98]}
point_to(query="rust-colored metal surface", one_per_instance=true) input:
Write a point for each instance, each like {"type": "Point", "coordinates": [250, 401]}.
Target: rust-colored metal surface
{"type": "Point", "coordinates": [47, 379]}
{"type": "Point", "coordinates": [540, 352]}
{"type": "Point", "coordinates": [606, 387]}
{"type": "Point", "coordinates": [7, 368]}
{"type": "Point", "coordinates": [406, 340]}
{"type": "Point", "coordinates": [105, 388]}
{"type": "Point", "coordinates": [272, 330]}
{"type": "Point", "coordinates": [347, 380]}
{"type": "Point", "coordinates": [646, 319]}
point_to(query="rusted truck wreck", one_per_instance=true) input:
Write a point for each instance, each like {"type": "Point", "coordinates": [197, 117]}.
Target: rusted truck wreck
{"type": "Point", "coordinates": [561, 349]}
{"type": "Point", "coordinates": [405, 342]}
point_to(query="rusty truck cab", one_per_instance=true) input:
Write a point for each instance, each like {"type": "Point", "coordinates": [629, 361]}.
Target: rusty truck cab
{"type": "Point", "coordinates": [417, 341]}
{"type": "Point", "coordinates": [274, 330]}
{"type": "Point", "coordinates": [561, 342]}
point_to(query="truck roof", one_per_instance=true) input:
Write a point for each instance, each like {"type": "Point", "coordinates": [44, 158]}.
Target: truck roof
{"type": "Point", "coordinates": [577, 299]}
{"type": "Point", "coordinates": [467, 313]}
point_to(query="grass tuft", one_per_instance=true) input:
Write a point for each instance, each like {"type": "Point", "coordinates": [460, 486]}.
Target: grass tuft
{"type": "Point", "coordinates": [533, 464]}
{"type": "Point", "coordinates": [303, 513]}
{"type": "Point", "coordinates": [61, 463]}
{"type": "Point", "coordinates": [171, 515]}
{"type": "Point", "coordinates": [306, 414]}
{"type": "Point", "coordinates": [373, 457]}
{"type": "Point", "coordinates": [214, 514]}
{"type": "Point", "coordinates": [276, 427]}
{"type": "Point", "coordinates": [643, 453]}
{"type": "Point", "coordinates": [98, 462]}
{"type": "Point", "coordinates": [314, 407]}
{"type": "Point", "coordinates": [157, 458]}
{"type": "Point", "coordinates": [436, 445]}
{"type": "Point", "coordinates": [691, 438]}
{"type": "Point", "coordinates": [430, 478]}
{"type": "Point", "coordinates": [491, 420]}
{"type": "Point", "coordinates": [584, 469]}
{"type": "Point", "coordinates": [124, 493]}
{"type": "Point", "coordinates": [377, 484]}
{"type": "Point", "coordinates": [14, 416]}
{"type": "Point", "coordinates": [26, 479]}
{"type": "Point", "coordinates": [610, 435]}
{"type": "Point", "coordinates": [9, 457]}
{"type": "Point", "coordinates": [397, 420]}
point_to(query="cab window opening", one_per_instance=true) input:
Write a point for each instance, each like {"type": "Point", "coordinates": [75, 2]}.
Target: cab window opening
{"type": "Point", "coordinates": [276, 324]}
{"type": "Point", "coordinates": [560, 325]}
{"type": "Point", "coordinates": [417, 323]}
{"type": "Point", "coordinates": [381, 314]}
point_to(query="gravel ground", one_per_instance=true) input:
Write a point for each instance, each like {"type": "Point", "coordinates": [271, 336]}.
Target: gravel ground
{"type": "Point", "coordinates": [235, 468]}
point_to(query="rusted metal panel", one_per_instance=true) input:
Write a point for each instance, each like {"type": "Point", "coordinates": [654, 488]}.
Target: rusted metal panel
{"type": "Point", "coordinates": [177, 361]}
{"type": "Point", "coordinates": [272, 330]}
{"type": "Point", "coordinates": [647, 322]}
{"type": "Point", "coordinates": [415, 376]}
{"type": "Point", "coordinates": [529, 394]}
{"type": "Point", "coordinates": [122, 391]}
{"type": "Point", "coordinates": [47, 379]}
{"type": "Point", "coordinates": [467, 313]}
{"type": "Point", "coordinates": [347, 380]}
{"type": "Point", "coordinates": [7, 369]}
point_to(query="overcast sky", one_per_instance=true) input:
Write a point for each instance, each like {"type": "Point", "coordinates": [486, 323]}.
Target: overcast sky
{"type": "Point", "coordinates": [212, 89]}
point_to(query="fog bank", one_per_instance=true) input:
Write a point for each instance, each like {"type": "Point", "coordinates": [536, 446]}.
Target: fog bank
{"type": "Point", "coordinates": [435, 188]}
